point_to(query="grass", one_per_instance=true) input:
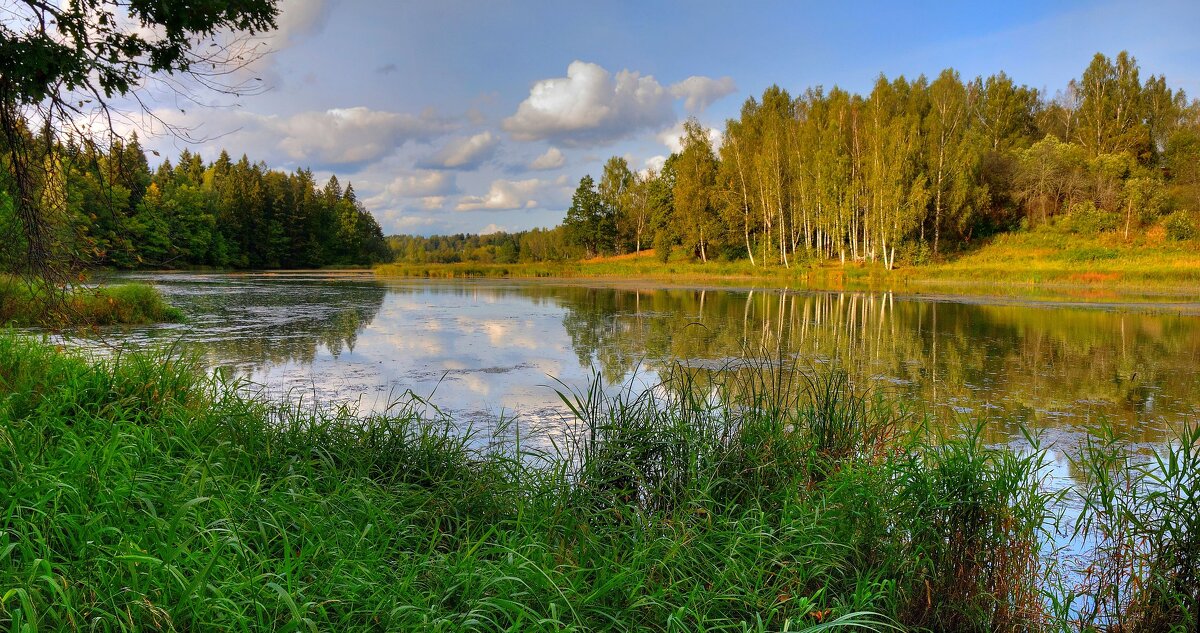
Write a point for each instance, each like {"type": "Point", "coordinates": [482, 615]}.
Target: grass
{"type": "Point", "coordinates": [1048, 257]}
{"type": "Point", "coordinates": [1018, 263]}
{"type": "Point", "coordinates": [24, 302]}
{"type": "Point", "coordinates": [142, 494]}
{"type": "Point", "coordinates": [644, 266]}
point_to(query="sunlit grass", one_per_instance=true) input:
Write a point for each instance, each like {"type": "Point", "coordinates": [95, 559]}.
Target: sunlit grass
{"type": "Point", "coordinates": [1011, 263]}
{"type": "Point", "coordinates": [32, 302]}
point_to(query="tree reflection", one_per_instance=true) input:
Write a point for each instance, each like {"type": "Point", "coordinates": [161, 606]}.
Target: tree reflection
{"type": "Point", "coordinates": [1028, 364]}
{"type": "Point", "coordinates": [256, 322]}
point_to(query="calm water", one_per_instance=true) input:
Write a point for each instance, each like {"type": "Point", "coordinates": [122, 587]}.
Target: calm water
{"type": "Point", "coordinates": [482, 349]}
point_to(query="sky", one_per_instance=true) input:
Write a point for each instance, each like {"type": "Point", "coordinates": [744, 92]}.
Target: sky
{"type": "Point", "coordinates": [477, 117]}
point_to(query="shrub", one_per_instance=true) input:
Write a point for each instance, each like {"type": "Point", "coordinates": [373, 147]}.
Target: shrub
{"type": "Point", "coordinates": [1086, 219]}
{"type": "Point", "coordinates": [1180, 225]}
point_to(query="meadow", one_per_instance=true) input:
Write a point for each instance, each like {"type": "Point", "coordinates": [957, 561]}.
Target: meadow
{"type": "Point", "coordinates": [1019, 263]}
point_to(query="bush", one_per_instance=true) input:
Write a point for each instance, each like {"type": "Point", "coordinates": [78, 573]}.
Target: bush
{"type": "Point", "coordinates": [1180, 225]}
{"type": "Point", "coordinates": [1086, 219]}
{"type": "Point", "coordinates": [662, 247]}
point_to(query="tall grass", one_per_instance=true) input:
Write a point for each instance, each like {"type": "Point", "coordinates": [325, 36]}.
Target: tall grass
{"type": "Point", "coordinates": [1141, 518]}
{"type": "Point", "coordinates": [32, 302]}
{"type": "Point", "coordinates": [142, 494]}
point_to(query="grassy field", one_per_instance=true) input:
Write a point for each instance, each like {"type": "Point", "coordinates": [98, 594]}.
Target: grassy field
{"type": "Point", "coordinates": [1013, 263]}
{"type": "Point", "coordinates": [645, 266]}
{"type": "Point", "coordinates": [25, 303]}
{"type": "Point", "coordinates": [1050, 258]}
{"type": "Point", "coordinates": [141, 494]}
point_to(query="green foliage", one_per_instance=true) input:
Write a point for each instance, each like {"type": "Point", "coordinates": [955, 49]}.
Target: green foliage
{"type": "Point", "coordinates": [24, 302]}
{"type": "Point", "coordinates": [224, 214]}
{"type": "Point", "coordinates": [85, 46]}
{"type": "Point", "coordinates": [144, 494]}
{"type": "Point", "coordinates": [1180, 225]}
{"type": "Point", "coordinates": [1142, 519]}
{"type": "Point", "coordinates": [1085, 219]}
{"type": "Point", "coordinates": [590, 222]}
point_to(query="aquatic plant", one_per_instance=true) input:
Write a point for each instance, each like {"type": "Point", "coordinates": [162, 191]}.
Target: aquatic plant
{"type": "Point", "coordinates": [145, 494]}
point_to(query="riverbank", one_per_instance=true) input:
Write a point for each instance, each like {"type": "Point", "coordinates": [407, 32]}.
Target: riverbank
{"type": "Point", "coordinates": [31, 303]}
{"type": "Point", "coordinates": [143, 494]}
{"type": "Point", "coordinates": [1026, 263]}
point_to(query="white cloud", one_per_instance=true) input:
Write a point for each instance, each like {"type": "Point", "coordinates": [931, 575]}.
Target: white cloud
{"type": "Point", "coordinates": [672, 135]}
{"type": "Point", "coordinates": [699, 92]}
{"type": "Point", "coordinates": [552, 159]}
{"type": "Point", "coordinates": [492, 228]}
{"type": "Point", "coordinates": [299, 18]}
{"type": "Point", "coordinates": [464, 152]}
{"type": "Point", "coordinates": [337, 137]}
{"type": "Point", "coordinates": [654, 162]}
{"type": "Point", "coordinates": [590, 106]}
{"type": "Point", "coordinates": [503, 195]}
{"type": "Point", "coordinates": [424, 184]}
{"type": "Point", "coordinates": [350, 135]}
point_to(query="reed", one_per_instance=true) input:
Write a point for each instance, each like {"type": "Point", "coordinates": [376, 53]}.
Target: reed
{"type": "Point", "coordinates": [142, 493]}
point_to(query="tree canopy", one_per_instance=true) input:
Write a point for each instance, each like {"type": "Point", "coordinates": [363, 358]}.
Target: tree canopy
{"type": "Point", "coordinates": [60, 61]}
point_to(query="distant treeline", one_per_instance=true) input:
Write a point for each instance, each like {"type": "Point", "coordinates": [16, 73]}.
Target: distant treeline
{"type": "Point", "coordinates": [913, 169]}
{"type": "Point", "coordinates": [537, 245]}
{"type": "Point", "coordinates": [225, 214]}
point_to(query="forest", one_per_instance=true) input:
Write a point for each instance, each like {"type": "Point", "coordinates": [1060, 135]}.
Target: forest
{"type": "Point", "coordinates": [913, 171]}
{"type": "Point", "coordinates": [118, 213]}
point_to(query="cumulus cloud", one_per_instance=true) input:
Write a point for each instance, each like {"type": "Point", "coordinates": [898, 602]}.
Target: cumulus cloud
{"type": "Point", "coordinates": [654, 163]}
{"type": "Point", "coordinates": [552, 159]}
{"type": "Point", "coordinates": [343, 136]}
{"type": "Point", "coordinates": [503, 195]}
{"type": "Point", "coordinates": [463, 153]}
{"type": "Point", "coordinates": [338, 138]}
{"type": "Point", "coordinates": [671, 137]}
{"type": "Point", "coordinates": [431, 203]}
{"type": "Point", "coordinates": [298, 19]}
{"type": "Point", "coordinates": [425, 184]}
{"type": "Point", "coordinates": [591, 106]}
{"type": "Point", "coordinates": [698, 92]}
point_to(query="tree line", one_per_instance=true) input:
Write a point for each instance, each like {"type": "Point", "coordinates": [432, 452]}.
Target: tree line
{"type": "Point", "coordinates": [910, 171]}
{"type": "Point", "coordinates": [112, 210]}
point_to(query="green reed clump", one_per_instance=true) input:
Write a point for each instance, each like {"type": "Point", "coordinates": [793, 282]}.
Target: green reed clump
{"type": "Point", "coordinates": [1141, 517]}
{"type": "Point", "coordinates": [973, 521]}
{"type": "Point", "coordinates": [142, 494]}
{"type": "Point", "coordinates": [31, 302]}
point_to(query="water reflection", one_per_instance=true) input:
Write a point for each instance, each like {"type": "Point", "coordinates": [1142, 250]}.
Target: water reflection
{"type": "Point", "coordinates": [484, 349]}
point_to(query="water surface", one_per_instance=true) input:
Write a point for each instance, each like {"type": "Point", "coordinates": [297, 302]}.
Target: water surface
{"type": "Point", "coordinates": [485, 349]}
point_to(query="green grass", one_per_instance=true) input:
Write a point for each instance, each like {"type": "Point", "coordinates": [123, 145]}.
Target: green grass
{"type": "Point", "coordinates": [1050, 257]}
{"type": "Point", "coordinates": [1018, 263]}
{"type": "Point", "coordinates": [679, 270]}
{"type": "Point", "coordinates": [141, 494]}
{"type": "Point", "coordinates": [24, 302]}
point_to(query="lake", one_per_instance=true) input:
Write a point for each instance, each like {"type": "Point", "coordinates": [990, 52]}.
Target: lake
{"type": "Point", "coordinates": [486, 349]}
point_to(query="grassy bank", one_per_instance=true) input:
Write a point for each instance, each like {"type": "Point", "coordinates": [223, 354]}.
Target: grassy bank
{"type": "Point", "coordinates": [1017, 262]}
{"type": "Point", "coordinates": [1055, 258]}
{"type": "Point", "coordinates": [141, 495]}
{"type": "Point", "coordinates": [24, 302]}
{"type": "Point", "coordinates": [645, 266]}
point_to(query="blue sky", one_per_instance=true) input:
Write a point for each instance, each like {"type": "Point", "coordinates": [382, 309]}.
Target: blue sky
{"type": "Point", "coordinates": [479, 116]}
